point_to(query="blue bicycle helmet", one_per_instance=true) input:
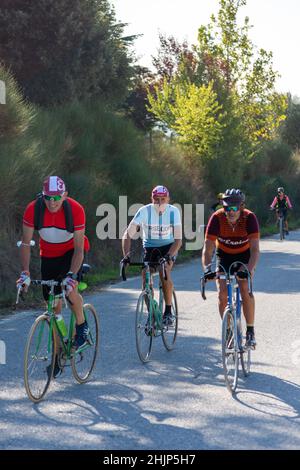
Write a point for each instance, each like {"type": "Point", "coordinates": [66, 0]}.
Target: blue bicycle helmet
{"type": "Point", "coordinates": [233, 197]}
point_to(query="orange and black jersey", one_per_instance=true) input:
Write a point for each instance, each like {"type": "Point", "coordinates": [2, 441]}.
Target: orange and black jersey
{"type": "Point", "coordinates": [232, 238]}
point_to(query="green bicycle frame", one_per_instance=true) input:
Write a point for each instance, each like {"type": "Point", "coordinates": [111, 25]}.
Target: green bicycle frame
{"type": "Point", "coordinates": [66, 345]}
{"type": "Point", "coordinates": [155, 307]}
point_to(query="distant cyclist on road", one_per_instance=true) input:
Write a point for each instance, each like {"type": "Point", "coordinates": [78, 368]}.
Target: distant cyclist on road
{"type": "Point", "coordinates": [234, 231]}
{"type": "Point", "coordinates": [161, 227]}
{"type": "Point", "coordinates": [218, 205]}
{"type": "Point", "coordinates": [281, 203]}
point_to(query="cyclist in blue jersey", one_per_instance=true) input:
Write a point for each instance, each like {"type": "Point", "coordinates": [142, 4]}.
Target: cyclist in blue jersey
{"type": "Point", "coordinates": [161, 230]}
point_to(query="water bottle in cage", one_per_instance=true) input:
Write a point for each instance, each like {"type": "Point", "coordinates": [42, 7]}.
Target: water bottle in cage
{"type": "Point", "coordinates": [61, 325]}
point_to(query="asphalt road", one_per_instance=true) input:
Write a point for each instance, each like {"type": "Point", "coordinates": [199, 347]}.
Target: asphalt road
{"type": "Point", "coordinates": [178, 400]}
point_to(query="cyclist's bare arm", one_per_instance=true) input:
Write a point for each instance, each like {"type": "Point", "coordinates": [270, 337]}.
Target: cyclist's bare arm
{"type": "Point", "coordinates": [207, 253]}
{"type": "Point", "coordinates": [130, 232]}
{"type": "Point", "coordinates": [254, 254]}
{"type": "Point", "coordinates": [25, 247]}
{"type": "Point", "coordinates": [177, 240]}
{"type": "Point", "coordinates": [175, 247]}
{"type": "Point", "coordinates": [78, 255]}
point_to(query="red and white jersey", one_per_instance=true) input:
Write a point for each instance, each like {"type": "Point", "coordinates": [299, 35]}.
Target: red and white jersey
{"type": "Point", "coordinates": [55, 240]}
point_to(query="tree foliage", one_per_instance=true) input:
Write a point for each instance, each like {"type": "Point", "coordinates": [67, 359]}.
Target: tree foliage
{"type": "Point", "coordinates": [173, 57]}
{"type": "Point", "coordinates": [244, 109]}
{"type": "Point", "coordinates": [291, 127]}
{"type": "Point", "coordinates": [65, 49]}
{"type": "Point", "coordinates": [15, 114]}
{"type": "Point", "coordinates": [192, 112]}
{"type": "Point", "coordinates": [137, 103]}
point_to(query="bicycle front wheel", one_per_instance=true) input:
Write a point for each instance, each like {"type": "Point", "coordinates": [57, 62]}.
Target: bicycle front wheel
{"type": "Point", "coordinates": [281, 228]}
{"type": "Point", "coordinates": [230, 356]}
{"type": "Point", "coordinates": [39, 358]}
{"type": "Point", "coordinates": [144, 327]}
{"type": "Point", "coordinates": [83, 360]}
{"type": "Point", "coordinates": [169, 333]}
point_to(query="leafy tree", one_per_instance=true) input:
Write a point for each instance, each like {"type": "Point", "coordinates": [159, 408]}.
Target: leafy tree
{"type": "Point", "coordinates": [192, 112]}
{"type": "Point", "coordinates": [247, 110]}
{"type": "Point", "coordinates": [227, 57]}
{"type": "Point", "coordinates": [291, 129]}
{"type": "Point", "coordinates": [15, 114]}
{"type": "Point", "coordinates": [171, 57]}
{"type": "Point", "coordinates": [65, 49]}
{"type": "Point", "coordinates": [136, 105]}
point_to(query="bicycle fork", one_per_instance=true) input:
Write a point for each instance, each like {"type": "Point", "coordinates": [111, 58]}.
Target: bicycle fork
{"type": "Point", "coordinates": [234, 304]}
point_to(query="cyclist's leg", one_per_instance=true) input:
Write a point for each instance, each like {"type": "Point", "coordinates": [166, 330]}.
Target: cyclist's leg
{"type": "Point", "coordinates": [223, 261]}
{"type": "Point", "coordinates": [222, 295]}
{"type": "Point", "coordinates": [57, 268]}
{"type": "Point", "coordinates": [76, 301]}
{"type": "Point", "coordinates": [168, 289]}
{"type": "Point", "coordinates": [248, 302]}
{"type": "Point", "coordinates": [167, 284]}
{"type": "Point", "coordinates": [148, 256]}
{"type": "Point", "coordinates": [249, 313]}
{"type": "Point", "coordinates": [76, 305]}
{"type": "Point", "coordinates": [49, 271]}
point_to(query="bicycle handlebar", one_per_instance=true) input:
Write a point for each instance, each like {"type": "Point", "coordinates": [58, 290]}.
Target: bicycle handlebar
{"type": "Point", "coordinates": [20, 243]}
{"type": "Point", "coordinates": [238, 275]}
{"type": "Point", "coordinates": [39, 282]}
{"type": "Point", "coordinates": [144, 264]}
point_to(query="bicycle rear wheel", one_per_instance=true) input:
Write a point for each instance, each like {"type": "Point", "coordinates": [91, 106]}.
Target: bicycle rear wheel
{"type": "Point", "coordinates": [245, 353]}
{"type": "Point", "coordinates": [144, 327]}
{"type": "Point", "coordinates": [169, 333]}
{"type": "Point", "coordinates": [245, 356]}
{"type": "Point", "coordinates": [230, 356]}
{"type": "Point", "coordinates": [83, 360]}
{"type": "Point", "coordinates": [39, 358]}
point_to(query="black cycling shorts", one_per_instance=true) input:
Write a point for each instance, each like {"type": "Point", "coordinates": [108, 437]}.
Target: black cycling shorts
{"type": "Point", "coordinates": [226, 259]}
{"type": "Point", "coordinates": [283, 211]}
{"type": "Point", "coordinates": [154, 254]}
{"type": "Point", "coordinates": [56, 269]}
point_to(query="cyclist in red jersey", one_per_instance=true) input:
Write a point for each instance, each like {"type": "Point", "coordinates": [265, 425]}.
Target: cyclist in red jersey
{"type": "Point", "coordinates": [234, 231]}
{"type": "Point", "coordinates": [61, 251]}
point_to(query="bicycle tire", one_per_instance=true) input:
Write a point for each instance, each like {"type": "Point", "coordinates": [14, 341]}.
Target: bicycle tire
{"type": "Point", "coordinates": [143, 330]}
{"type": "Point", "coordinates": [37, 379]}
{"type": "Point", "coordinates": [245, 356]}
{"type": "Point", "coordinates": [169, 334]}
{"type": "Point", "coordinates": [230, 355]}
{"type": "Point", "coordinates": [87, 353]}
{"type": "Point", "coordinates": [245, 353]}
{"type": "Point", "coordinates": [281, 228]}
